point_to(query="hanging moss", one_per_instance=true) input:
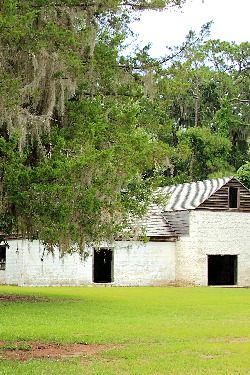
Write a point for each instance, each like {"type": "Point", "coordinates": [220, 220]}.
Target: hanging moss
{"type": "Point", "coordinates": [70, 142]}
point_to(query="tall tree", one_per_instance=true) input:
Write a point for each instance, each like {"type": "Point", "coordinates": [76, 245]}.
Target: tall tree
{"type": "Point", "coordinates": [72, 149]}
{"type": "Point", "coordinates": [203, 84]}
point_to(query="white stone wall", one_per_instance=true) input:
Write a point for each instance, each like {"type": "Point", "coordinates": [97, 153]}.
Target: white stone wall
{"type": "Point", "coordinates": [134, 264]}
{"type": "Point", "coordinates": [13, 262]}
{"type": "Point", "coordinates": [137, 263]}
{"type": "Point", "coordinates": [213, 233]}
{"type": "Point", "coordinates": [28, 264]}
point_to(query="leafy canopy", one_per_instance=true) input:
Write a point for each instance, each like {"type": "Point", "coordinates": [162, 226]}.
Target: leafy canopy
{"type": "Point", "coordinates": [72, 148]}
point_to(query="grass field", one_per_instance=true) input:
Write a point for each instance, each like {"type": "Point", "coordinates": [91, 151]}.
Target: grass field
{"type": "Point", "coordinates": [142, 330]}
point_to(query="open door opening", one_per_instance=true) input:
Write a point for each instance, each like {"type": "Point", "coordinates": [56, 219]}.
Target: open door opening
{"type": "Point", "coordinates": [2, 257]}
{"type": "Point", "coordinates": [222, 269]}
{"type": "Point", "coordinates": [103, 266]}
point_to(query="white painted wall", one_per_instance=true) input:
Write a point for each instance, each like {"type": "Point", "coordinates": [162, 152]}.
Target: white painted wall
{"type": "Point", "coordinates": [134, 264]}
{"type": "Point", "coordinates": [137, 263]}
{"type": "Point", "coordinates": [213, 233]}
{"type": "Point", "coordinates": [24, 266]}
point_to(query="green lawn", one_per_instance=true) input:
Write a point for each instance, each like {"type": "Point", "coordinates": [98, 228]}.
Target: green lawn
{"type": "Point", "coordinates": [146, 330]}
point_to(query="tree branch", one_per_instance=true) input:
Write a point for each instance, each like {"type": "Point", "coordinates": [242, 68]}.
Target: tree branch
{"type": "Point", "coordinates": [240, 100]}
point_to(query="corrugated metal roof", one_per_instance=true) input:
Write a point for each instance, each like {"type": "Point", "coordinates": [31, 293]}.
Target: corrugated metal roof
{"type": "Point", "coordinates": [168, 221]}
{"type": "Point", "coordinates": [189, 196]}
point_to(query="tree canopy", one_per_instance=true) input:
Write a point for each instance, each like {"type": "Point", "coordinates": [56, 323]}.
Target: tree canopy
{"type": "Point", "coordinates": [73, 151]}
{"type": "Point", "coordinates": [201, 107]}
{"type": "Point", "coordinates": [87, 133]}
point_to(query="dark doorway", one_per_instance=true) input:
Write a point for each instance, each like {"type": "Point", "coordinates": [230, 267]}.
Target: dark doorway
{"type": "Point", "coordinates": [233, 197]}
{"type": "Point", "coordinates": [2, 257]}
{"type": "Point", "coordinates": [103, 266]}
{"type": "Point", "coordinates": [222, 269]}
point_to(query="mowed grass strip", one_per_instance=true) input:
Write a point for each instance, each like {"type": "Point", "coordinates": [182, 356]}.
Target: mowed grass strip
{"type": "Point", "coordinates": [146, 330]}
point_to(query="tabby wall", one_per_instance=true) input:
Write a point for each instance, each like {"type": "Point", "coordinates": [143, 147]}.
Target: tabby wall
{"type": "Point", "coordinates": [27, 263]}
{"type": "Point", "coordinates": [213, 233]}
{"type": "Point", "coordinates": [134, 263]}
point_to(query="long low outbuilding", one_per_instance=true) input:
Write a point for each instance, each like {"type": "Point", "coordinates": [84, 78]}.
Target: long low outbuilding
{"type": "Point", "coordinates": [201, 237]}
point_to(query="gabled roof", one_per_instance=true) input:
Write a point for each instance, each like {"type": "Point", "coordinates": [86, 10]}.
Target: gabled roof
{"type": "Point", "coordinates": [172, 220]}
{"type": "Point", "coordinates": [189, 196]}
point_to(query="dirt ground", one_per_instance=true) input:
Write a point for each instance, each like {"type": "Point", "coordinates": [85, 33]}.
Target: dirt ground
{"type": "Point", "coordinates": [24, 350]}
{"type": "Point", "coordinates": [31, 298]}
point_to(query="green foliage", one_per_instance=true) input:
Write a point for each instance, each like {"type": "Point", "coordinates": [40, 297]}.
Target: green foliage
{"type": "Point", "coordinates": [73, 151]}
{"type": "Point", "coordinates": [206, 153]}
{"type": "Point", "coordinates": [202, 84]}
{"type": "Point", "coordinates": [87, 133]}
{"type": "Point", "coordinates": [76, 196]}
{"type": "Point", "coordinates": [243, 174]}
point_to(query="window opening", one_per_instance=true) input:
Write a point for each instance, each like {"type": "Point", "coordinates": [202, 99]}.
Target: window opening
{"type": "Point", "coordinates": [222, 269]}
{"type": "Point", "coordinates": [233, 197]}
{"type": "Point", "coordinates": [2, 257]}
{"type": "Point", "coordinates": [103, 266]}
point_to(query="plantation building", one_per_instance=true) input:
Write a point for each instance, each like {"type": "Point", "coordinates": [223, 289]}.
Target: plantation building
{"type": "Point", "coordinates": [201, 237]}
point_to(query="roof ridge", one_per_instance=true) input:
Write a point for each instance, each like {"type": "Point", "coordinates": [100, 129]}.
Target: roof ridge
{"type": "Point", "coordinates": [190, 195]}
{"type": "Point", "coordinates": [196, 182]}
